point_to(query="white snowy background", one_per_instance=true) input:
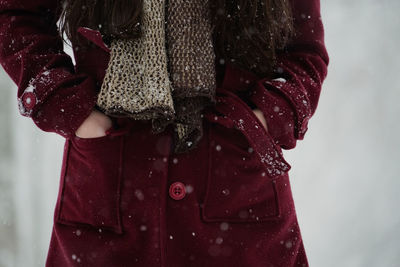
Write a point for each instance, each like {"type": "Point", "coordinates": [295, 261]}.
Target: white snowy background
{"type": "Point", "coordinates": [345, 173]}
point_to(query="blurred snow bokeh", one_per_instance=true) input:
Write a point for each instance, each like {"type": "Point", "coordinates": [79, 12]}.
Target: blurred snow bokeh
{"type": "Point", "coordinates": [344, 173]}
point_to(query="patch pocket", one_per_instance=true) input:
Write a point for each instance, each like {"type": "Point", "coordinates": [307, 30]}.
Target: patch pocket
{"type": "Point", "coordinates": [244, 165]}
{"type": "Point", "coordinates": [90, 186]}
{"type": "Point", "coordinates": [241, 183]}
{"type": "Point", "coordinates": [238, 186]}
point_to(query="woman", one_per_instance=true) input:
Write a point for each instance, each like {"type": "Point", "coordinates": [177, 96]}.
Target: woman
{"type": "Point", "coordinates": [130, 198]}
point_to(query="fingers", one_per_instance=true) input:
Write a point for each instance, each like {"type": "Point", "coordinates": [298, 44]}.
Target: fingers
{"type": "Point", "coordinates": [261, 117]}
{"type": "Point", "coordinates": [95, 125]}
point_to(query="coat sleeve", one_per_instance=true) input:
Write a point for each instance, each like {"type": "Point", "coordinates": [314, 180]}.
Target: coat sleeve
{"type": "Point", "coordinates": [290, 98]}
{"type": "Point", "coordinates": [31, 52]}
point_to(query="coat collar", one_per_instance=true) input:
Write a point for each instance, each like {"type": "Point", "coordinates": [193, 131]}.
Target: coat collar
{"type": "Point", "coordinates": [94, 36]}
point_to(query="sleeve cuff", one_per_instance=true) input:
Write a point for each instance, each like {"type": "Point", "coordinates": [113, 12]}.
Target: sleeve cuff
{"type": "Point", "coordinates": [66, 110]}
{"type": "Point", "coordinates": [278, 114]}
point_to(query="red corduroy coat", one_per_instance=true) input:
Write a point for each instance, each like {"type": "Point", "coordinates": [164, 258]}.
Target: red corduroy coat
{"type": "Point", "coordinates": [125, 198]}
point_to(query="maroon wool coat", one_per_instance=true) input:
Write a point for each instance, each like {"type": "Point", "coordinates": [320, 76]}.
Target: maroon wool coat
{"type": "Point", "coordinates": [125, 198]}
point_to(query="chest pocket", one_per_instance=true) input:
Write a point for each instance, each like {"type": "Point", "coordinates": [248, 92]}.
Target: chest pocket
{"type": "Point", "coordinates": [241, 182]}
{"type": "Point", "coordinates": [90, 185]}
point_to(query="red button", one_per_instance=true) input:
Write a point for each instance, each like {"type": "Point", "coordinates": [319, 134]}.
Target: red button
{"type": "Point", "coordinates": [177, 190]}
{"type": "Point", "coordinates": [29, 100]}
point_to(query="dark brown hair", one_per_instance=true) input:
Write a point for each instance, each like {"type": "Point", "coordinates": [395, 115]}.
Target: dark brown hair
{"type": "Point", "coordinates": [247, 33]}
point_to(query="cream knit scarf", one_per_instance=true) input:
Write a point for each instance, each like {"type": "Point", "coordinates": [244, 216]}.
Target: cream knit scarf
{"type": "Point", "coordinates": [168, 75]}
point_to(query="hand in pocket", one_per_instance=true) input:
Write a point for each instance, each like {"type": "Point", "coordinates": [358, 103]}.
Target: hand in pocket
{"type": "Point", "coordinates": [261, 117]}
{"type": "Point", "coordinates": [95, 125]}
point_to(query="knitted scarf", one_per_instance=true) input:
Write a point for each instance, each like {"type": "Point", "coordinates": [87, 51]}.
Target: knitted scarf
{"type": "Point", "coordinates": [168, 74]}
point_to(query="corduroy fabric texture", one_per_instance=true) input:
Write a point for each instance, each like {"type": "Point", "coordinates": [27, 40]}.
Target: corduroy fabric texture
{"type": "Point", "coordinates": [167, 75]}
